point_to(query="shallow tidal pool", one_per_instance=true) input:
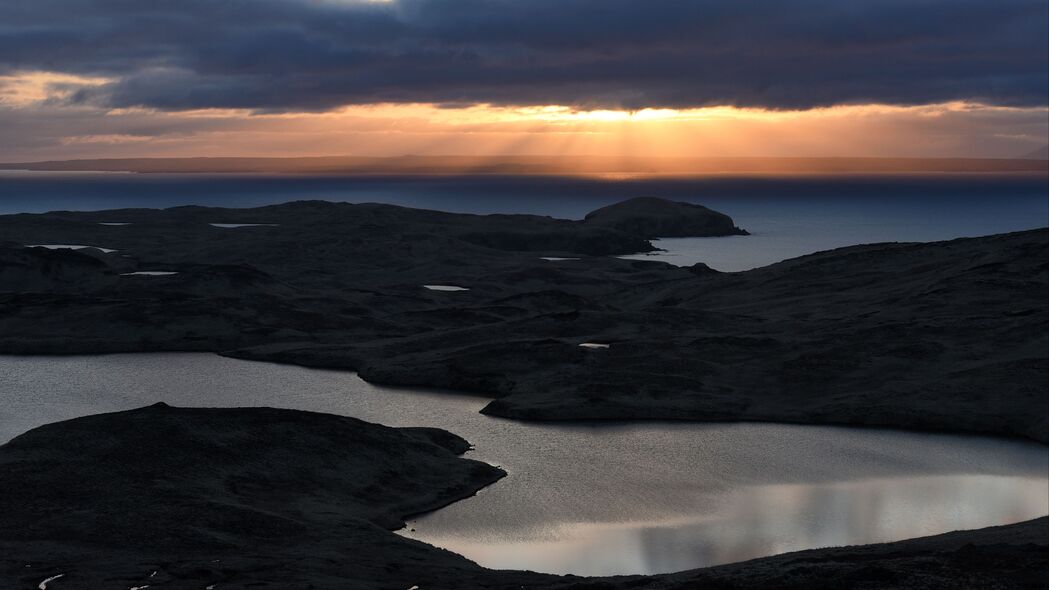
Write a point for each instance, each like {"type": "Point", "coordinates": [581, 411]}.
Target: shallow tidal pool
{"type": "Point", "coordinates": [598, 499]}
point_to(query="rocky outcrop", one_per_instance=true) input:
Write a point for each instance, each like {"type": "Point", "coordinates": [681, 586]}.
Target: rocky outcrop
{"type": "Point", "coordinates": [649, 217]}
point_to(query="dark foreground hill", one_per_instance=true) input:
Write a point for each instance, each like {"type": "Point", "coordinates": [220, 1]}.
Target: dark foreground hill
{"type": "Point", "coordinates": [230, 497]}
{"type": "Point", "coordinates": [950, 335]}
{"type": "Point", "coordinates": [164, 497]}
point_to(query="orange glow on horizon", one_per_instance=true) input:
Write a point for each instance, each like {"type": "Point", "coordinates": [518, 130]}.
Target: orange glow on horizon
{"type": "Point", "coordinates": [387, 129]}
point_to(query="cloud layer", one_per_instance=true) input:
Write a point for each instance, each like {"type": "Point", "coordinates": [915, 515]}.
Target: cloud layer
{"type": "Point", "coordinates": [44, 131]}
{"type": "Point", "coordinates": [314, 55]}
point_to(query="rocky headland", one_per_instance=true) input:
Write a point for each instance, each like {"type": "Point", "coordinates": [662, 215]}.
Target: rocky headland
{"type": "Point", "coordinates": [659, 218]}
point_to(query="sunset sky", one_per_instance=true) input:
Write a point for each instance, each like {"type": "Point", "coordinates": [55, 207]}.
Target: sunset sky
{"type": "Point", "coordinates": [120, 78]}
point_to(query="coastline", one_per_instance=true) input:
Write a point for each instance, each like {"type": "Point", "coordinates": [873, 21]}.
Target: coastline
{"type": "Point", "coordinates": [925, 335]}
{"type": "Point", "coordinates": [929, 336]}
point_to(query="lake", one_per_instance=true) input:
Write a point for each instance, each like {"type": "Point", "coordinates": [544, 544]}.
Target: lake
{"type": "Point", "coordinates": [787, 216]}
{"type": "Point", "coordinates": [598, 499]}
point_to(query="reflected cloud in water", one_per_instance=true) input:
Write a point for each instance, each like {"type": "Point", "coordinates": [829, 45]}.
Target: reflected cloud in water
{"type": "Point", "coordinates": [756, 521]}
{"type": "Point", "coordinates": [598, 498]}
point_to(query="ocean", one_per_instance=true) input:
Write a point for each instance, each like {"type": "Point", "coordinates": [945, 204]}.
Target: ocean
{"type": "Point", "coordinates": [787, 216]}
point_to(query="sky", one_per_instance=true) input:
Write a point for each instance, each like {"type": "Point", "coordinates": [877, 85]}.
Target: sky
{"type": "Point", "coordinates": [898, 78]}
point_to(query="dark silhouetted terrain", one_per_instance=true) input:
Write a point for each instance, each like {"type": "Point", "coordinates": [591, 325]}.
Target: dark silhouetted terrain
{"type": "Point", "coordinates": [946, 336]}
{"type": "Point", "coordinates": [263, 498]}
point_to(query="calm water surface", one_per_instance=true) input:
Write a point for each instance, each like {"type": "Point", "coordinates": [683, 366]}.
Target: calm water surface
{"type": "Point", "coordinates": [788, 215]}
{"type": "Point", "coordinates": [598, 499]}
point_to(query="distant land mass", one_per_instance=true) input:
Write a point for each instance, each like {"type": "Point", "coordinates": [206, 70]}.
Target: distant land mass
{"type": "Point", "coordinates": [539, 165]}
{"type": "Point", "coordinates": [1041, 153]}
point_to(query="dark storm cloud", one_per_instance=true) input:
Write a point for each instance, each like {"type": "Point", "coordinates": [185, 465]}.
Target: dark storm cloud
{"type": "Point", "coordinates": [318, 54]}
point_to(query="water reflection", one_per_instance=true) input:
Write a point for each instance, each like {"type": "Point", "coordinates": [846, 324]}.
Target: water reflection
{"type": "Point", "coordinates": [756, 521]}
{"type": "Point", "coordinates": [236, 225]}
{"type": "Point", "coordinates": [599, 498]}
{"type": "Point", "coordinates": [69, 247]}
{"type": "Point", "coordinates": [450, 288]}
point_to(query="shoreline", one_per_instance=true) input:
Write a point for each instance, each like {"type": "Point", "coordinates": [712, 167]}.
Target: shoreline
{"type": "Point", "coordinates": [931, 337]}
{"type": "Point", "coordinates": [626, 418]}
{"type": "Point", "coordinates": [964, 559]}
{"type": "Point", "coordinates": [925, 336]}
